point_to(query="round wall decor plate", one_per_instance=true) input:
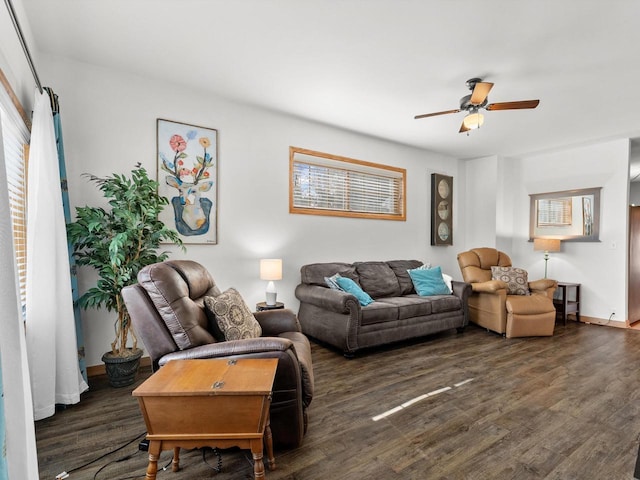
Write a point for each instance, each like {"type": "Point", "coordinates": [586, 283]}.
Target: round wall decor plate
{"type": "Point", "coordinates": [441, 209]}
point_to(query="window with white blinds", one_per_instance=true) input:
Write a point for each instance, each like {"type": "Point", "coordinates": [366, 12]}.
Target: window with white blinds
{"type": "Point", "coordinates": [554, 212]}
{"type": "Point", "coordinates": [324, 184]}
{"type": "Point", "coordinates": [15, 137]}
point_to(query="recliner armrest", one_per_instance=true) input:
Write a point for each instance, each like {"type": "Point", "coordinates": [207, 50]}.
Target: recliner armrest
{"type": "Point", "coordinates": [543, 284]}
{"type": "Point", "coordinates": [275, 322]}
{"type": "Point", "coordinates": [490, 286]}
{"type": "Point", "coordinates": [230, 348]}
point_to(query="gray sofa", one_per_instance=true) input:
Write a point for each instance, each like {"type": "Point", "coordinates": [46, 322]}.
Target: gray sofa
{"type": "Point", "coordinates": [398, 313]}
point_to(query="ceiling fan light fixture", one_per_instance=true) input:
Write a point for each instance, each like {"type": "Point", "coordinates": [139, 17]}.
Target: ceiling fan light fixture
{"type": "Point", "coordinates": [473, 120]}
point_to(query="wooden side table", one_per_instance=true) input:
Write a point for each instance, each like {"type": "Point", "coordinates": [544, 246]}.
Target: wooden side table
{"type": "Point", "coordinates": [260, 306]}
{"type": "Point", "coordinates": [214, 403]}
{"type": "Point", "coordinates": [567, 300]}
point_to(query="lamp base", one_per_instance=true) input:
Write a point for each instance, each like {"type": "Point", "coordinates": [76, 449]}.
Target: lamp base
{"type": "Point", "coordinates": [546, 259]}
{"type": "Point", "coordinates": [271, 294]}
{"type": "Point", "coordinates": [271, 298]}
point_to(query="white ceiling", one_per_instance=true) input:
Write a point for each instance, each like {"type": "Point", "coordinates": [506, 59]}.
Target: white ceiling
{"type": "Point", "coordinates": [371, 65]}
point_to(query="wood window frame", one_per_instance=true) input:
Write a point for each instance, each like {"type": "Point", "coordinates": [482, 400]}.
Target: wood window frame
{"type": "Point", "coordinates": [363, 169]}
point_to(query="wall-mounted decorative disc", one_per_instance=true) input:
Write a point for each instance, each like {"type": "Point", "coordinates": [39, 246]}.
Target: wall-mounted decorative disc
{"type": "Point", "coordinates": [441, 209]}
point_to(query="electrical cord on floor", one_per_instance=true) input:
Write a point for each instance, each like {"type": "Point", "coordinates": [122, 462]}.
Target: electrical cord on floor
{"type": "Point", "coordinates": [127, 457]}
{"type": "Point", "coordinates": [101, 456]}
{"type": "Point", "coordinates": [217, 468]}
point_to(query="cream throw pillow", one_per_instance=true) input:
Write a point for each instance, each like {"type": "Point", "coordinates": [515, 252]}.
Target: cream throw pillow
{"type": "Point", "coordinates": [233, 316]}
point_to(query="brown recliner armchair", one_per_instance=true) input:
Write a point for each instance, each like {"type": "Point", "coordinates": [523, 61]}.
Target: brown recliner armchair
{"type": "Point", "coordinates": [168, 313]}
{"type": "Point", "coordinates": [490, 305]}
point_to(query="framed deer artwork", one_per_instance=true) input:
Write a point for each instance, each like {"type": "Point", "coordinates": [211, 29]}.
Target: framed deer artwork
{"type": "Point", "coordinates": [188, 178]}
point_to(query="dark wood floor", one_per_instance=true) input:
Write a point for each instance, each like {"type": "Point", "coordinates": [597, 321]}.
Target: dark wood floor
{"type": "Point", "coordinates": [562, 407]}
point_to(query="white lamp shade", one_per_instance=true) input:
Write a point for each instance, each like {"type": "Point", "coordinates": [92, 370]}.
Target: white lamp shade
{"type": "Point", "coordinates": [271, 269]}
{"type": "Point", "coordinates": [473, 120]}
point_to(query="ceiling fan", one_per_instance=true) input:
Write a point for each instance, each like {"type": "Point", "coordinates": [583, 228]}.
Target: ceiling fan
{"type": "Point", "coordinates": [478, 100]}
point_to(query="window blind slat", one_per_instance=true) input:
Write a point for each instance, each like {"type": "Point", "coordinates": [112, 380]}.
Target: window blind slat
{"type": "Point", "coordinates": [322, 187]}
{"type": "Point", "coordinates": [14, 137]}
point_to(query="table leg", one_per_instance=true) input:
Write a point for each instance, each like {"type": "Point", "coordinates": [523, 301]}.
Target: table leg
{"type": "Point", "coordinates": [258, 464]}
{"type": "Point", "coordinates": [175, 464]}
{"type": "Point", "coordinates": [154, 454]}
{"type": "Point", "coordinates": [268, 440]}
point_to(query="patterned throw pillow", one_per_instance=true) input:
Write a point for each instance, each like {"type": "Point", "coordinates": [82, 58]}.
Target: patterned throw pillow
{"type": "Point", "coordinates": [233, 316]}
{"type": "Point", "coordinates": [332, 281]}
{"type": "Point", "coordinates": [515, 278]}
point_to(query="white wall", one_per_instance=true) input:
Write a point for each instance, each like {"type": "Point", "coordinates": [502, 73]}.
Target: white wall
{"type": "Point", "coordinates": [601, 267]}
{"type": "Point", "coordinates": [12, 59]}
{"type": "Point", "coordinates": [109, 123]}
{"type": "Point", "coordinates": [501, 218]}
{"type": "Point", "coordinates": [480, 203]}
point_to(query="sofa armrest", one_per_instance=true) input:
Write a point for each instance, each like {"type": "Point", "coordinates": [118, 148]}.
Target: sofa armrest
{"type": "Point", "coordinates": [230, 348]}
{"type": "Point", "coordinates": [327, 298]}
{"type": "Point", "coordinates": [275, 322]}
{"type": "Point", "coordinates": [491, 286]}
{"type": "Point", "coordinates": [461, 290]}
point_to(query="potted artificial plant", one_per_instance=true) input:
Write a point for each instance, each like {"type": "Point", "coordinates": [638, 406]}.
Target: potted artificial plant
{"type": "Point", "coordinates": [118, 242]}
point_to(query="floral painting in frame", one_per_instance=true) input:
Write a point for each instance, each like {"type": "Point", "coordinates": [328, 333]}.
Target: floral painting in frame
{"type": "Point", "coordinates": [188, 178]}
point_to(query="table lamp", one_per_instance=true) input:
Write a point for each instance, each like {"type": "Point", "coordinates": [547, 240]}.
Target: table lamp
{"type": "Point", "coordinates": [548, 245]}
{"type": "Point", "coordinates": [271, 269]}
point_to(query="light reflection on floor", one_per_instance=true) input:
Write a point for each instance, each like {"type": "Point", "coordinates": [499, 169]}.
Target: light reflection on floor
{"type": "Point", "coordinates": [418, 399]}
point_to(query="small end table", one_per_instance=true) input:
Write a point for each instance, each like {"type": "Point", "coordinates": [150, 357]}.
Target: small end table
{"type": "Point", "coordinates": [567, 300]}
{"type": "Point", "coordinates": [263, 306]}
{"type": "Point", "coordinates": [214, 402]}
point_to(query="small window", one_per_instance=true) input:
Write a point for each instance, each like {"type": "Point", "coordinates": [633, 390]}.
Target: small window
{"type": "Point", "coordinates": [554, 212]}
{"type": "Point", "coordinates": [324, 184]}
{"type": "Point", "coordinates": [12, 140]}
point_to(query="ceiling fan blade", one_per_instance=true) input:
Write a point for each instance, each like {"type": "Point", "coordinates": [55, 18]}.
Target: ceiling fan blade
{"type": "Point", "coordinates": [463, 128]}
{"type": "Point", "coordinates": [480, 93]}
{"type": "Point", "coordinates": [513, 105]}
{"type": "Point", "coordinates": [425, 115]}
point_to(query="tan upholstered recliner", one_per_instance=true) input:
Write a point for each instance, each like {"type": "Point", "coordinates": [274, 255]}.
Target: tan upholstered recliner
{"type": "Point", "coordinates": [491, 307]}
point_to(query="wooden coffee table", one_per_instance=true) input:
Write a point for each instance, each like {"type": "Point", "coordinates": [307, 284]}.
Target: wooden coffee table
{"type": "Point", "coordinates": [209, 403]}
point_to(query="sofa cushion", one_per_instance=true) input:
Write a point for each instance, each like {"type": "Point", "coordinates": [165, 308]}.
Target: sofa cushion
{"type": "Point", "coordinates": [379, 312]}
{"type": "Point", "coordinates": [354, 289]}
{"type": "Point", "coordinates": [515, 278]}
{"type": "Point", "coordinates": [445, 303]}
{"type": "Point", "coordinates": [233, 316]}
{"type": "Point", "coordinates": [400, 268]}
{"type": "Point", "coordinates": [410, 306]}
{"type": "Point", "coordinates": [315, 273]}
{"type": "Point", "coordinates": [429, 281]}
{"type": "Point", "coordinates": [377, 279]}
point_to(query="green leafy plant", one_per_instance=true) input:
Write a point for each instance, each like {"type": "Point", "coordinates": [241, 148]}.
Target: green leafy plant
{"type": "Point", "coordinates": [118, 242]}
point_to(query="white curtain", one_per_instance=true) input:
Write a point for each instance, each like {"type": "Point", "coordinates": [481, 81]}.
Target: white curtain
{"type": "Point", "coordinates": [50, 327]}
{"type": "Point", "coordinates": [21, 455]}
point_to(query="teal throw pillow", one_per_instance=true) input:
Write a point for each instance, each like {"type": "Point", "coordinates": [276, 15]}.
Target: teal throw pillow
{"type": "Point", "coordinates": [352, 287]}
{"type": "Point", "coordinates": [428, 282]}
